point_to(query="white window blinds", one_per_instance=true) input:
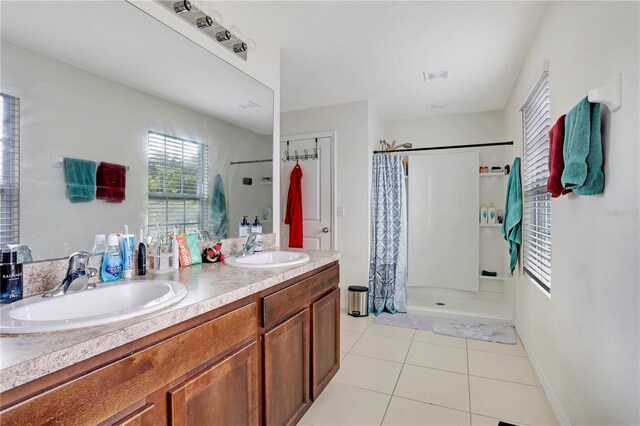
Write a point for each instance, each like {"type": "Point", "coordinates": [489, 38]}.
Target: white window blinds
{"type": "Point", "coordinates": [536, 122]}
{"type": "Point", "coordinates": [10, 171]}
{"type": "Point", "coordinates": [178, 176]}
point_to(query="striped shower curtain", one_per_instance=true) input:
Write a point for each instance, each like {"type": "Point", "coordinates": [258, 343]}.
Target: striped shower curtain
{"type": "Point", "coordinates": [388, 257]}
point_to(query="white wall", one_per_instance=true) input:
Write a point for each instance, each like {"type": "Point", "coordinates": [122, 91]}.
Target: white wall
{"type": "Point", "coordinates": [68, 112]}
{"type": "Point", "coordinates": [457, 129]}
{"type": "Point", "coordinates": [350, 122]}
{"type": "Point", "coordinates": [584, 340]}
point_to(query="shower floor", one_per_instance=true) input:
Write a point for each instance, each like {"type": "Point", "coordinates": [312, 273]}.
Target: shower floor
{"type": "Point", "coordinates": [456, 304]}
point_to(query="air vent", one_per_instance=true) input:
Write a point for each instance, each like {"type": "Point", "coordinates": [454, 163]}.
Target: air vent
{"type": "Point", "coordinates": [435, 75]}
{"type": "Point", "coordinates": [249, 105]}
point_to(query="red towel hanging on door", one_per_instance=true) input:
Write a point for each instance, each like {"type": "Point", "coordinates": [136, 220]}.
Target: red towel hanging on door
{"type": "Point", "coordinates": [293, 216]}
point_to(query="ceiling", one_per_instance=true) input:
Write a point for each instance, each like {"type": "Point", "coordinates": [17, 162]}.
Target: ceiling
{"type": "Point", "coordinates": [335, 52]}
{"type": "Point", "coordinates": [119, 42]}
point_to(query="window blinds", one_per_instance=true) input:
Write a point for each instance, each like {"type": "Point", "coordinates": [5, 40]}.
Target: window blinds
{"type": "Point", "coordinates": [10, 171]}
{"type": "Point", "coordinates": [178, 176]}
{"type": "Point", "coordinates": [536, 122]}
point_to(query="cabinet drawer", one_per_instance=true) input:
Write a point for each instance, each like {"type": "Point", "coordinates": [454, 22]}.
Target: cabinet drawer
{"type": "Point", "coordinates": [279, 305]}
{"type": "Point", "coordinates": [109, 390]}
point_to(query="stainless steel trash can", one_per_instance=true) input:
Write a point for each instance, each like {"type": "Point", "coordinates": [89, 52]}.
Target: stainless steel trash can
{"type": "Point", "coordinates": [358, 301]}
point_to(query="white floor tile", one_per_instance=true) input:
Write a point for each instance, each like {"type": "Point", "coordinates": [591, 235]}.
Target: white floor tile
{"type": "Point", "coordinates": [501, 348]}
{"type": "Point", "coordinates": [368, 373]}
{"type": "Point", "coordinates": [434, 386]}
{"type": "Point", "coordinates": [502, 367]}
{"type": "Point", "coordinates": [348, 339]}
{"type": "Point", "coordinates": [388, 331]}
{"type": "Point", "coordinates": [438, 356]}
{"type": "Point", "coordinates": [431, 337]}
{"type": "Point", "coordinates": [345, 405]}
{"type": "Point", "coordinates": [359, 324]}
{"type": "Point", "coordinates": [381, 347]}
{"type": "Point", "coordinates": [512, 402]}
{"type": "Point", "coordinates": [478, 420]}
{"type": "Point", "coordinates": [406, 412]}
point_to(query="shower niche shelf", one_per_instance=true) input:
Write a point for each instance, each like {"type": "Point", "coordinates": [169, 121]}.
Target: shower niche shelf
{"type": "Point", "coordinates": [499, 278]}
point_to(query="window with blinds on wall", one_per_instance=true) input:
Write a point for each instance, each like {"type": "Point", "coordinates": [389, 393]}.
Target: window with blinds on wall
{"type": "Point", "coordinates": [178, 176]}
{"type": "Point", "coordinates": [536, 223]}
{"type": "Point", "coordinates": [10, 171]}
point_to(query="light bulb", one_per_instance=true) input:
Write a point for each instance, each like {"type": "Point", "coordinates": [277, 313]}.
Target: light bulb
{"type": "Point", "coordinates": [237, 32]}
{"type": "Point", "coordinates": [251, 44]}
{"type": "Point", "coordinates": [182, 6]}
{"type": "Point", "coordinates": [204, 22]}
{"type": "Point", "coordinates": [217, 17]}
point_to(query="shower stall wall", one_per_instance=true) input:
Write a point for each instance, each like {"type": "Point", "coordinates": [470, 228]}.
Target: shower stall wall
{"type": "Point", "coordinates": [448, 247]}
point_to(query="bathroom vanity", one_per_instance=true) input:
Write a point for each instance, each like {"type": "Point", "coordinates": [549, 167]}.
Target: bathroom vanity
{"type": "Point", "coordinates": [244, 347]}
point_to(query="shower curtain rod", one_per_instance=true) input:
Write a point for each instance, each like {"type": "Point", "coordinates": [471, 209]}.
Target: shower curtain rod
{"type": "Point", "coordinates": [433, 148]}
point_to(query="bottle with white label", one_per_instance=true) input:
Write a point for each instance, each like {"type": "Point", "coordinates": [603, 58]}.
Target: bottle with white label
{"type": "Point", "coordinates": [491, 213]}
{"type": "Point", "coordinates": [483, 215]}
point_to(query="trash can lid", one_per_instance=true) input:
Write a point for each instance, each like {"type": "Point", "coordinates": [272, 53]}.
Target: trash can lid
{"type": "Point", "coordinates": [358, 288]}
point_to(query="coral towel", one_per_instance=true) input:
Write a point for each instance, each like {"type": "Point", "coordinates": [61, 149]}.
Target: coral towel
{"type": "Point", "coordinates": [293, 216]}
{"type": "Point", "coordinates": [111, 182]}
{"type": "Point", "coordinates": [556, 160]}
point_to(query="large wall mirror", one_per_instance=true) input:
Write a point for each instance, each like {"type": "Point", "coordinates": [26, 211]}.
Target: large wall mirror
{"type": "Point", "coordinates": [101, 90]}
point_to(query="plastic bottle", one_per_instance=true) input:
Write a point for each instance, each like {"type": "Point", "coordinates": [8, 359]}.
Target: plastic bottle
{"type": "Point", "coordinates": [10, 277]}
{"type": "Point", "coordinates": [491, 214]}
{"type": "Point", "coordinates": [128, 249]}
{"type": "Point", "coordinates": [484, 215]}
{"type": "Point", "coordinates": [245, 227]}
{"type": "Point", "coordinates": [112, 267]}
{"type": "Point", "coordinates": [142, 254]}
{"type": "Point", "coordinates": [175, 253]}
{"type": "Point", "coordinates": [256, 228]}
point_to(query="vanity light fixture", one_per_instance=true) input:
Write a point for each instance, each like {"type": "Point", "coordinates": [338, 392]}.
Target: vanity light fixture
{"type": "Point", "coordinates": [211, 25]}
{"type": "Point", "coordinates": [204, 22]}
{"type": "Point", "coordinates": [182, 6]}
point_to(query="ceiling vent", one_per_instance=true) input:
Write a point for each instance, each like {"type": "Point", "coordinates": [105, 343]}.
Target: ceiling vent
{"type": "Point", "coordinates": [435, 75]}
{"type": "Point", "coordinates": [249, 105]}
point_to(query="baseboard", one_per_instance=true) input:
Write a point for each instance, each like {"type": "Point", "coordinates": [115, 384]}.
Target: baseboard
{"type": "Point", "coordinates": [561, 416]}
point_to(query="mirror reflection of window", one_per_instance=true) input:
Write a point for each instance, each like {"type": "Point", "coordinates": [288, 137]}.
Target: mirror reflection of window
{"type": "Point", "coordinates": [178, 176]}
{"type": "Point", "coordinates": [10, 171]}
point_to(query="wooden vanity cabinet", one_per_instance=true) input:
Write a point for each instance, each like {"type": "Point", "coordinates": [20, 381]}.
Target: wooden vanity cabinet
{"type": "Point", "coordinates": [259, 360]}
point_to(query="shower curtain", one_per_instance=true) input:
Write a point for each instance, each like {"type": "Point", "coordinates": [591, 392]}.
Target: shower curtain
{"type": "Point", "coordinates": [388, 257]}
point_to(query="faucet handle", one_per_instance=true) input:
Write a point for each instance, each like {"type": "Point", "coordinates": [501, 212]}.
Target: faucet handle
{"type": "Point", "coordinates": [78, 261]}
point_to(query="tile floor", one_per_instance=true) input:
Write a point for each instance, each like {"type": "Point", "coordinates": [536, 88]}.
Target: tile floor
{"type": "Point", "coordinates": [400, 376]}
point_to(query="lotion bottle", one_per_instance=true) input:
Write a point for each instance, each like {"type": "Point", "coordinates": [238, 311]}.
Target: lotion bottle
{"type": "Point", "coordinates": [491, 213]}
{"type": "Point", "coordinates": [483, 215]}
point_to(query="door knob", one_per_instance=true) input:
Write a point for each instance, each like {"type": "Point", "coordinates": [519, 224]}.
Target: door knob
{"type": "Point", "coordinates": [325, 230]}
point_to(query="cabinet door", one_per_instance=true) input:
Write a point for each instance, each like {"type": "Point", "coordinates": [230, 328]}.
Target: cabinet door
{"type": "Point", "coordinates": [226, 393]}
{"type": "Point", "coordinates": [286, 370]}
{"type": "Point", "coordinates": [145, 416]}
{"type": "Point", "coordinates": [325, 341]}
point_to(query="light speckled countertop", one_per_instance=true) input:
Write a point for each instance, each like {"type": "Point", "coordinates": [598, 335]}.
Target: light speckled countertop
{"type": "Point", "coordinates": [24, 358]}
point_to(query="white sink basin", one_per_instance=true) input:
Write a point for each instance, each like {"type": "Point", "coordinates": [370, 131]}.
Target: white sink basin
{"type": "Point", "coordinates": [272, 259]}
{"type": "Point", "coordinates": [106, 304]}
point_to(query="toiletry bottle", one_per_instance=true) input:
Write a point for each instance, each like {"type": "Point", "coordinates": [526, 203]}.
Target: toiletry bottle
{"type": "Point", "coordinates": [175, 252]}
{"type": "Point", "coordinates": [483, 215]}
{"type": "Point", "coordinates": [128, 247]}
{"type": "Point", "coordinates": [142, 254]}
{"type": "Point", "coordinates": [256, 228]}
{"type": "Point", "coordinates": [112, 268]}
{"type": "Point", "coordinates": [10, 277]}
{"type": "Point", "coordinates": [245, 227]}
{"type": "Point", "coordinates": [492, 214]}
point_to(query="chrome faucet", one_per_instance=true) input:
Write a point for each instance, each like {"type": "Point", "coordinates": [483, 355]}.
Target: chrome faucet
{"type": "Point", "coordinates": [248, 244]}
{"type": "Point", "coordinates": [78, 275]}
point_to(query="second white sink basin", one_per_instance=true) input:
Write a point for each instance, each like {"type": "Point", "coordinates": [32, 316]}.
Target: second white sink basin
{"type": "Point", "coordinates": [106, 304]}
{"type": "Point", "coordinates": [271, 259]}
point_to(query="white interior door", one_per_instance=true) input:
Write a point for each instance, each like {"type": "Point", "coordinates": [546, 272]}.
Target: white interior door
{"type": "Point", "coordinates": [317, 187]}
{"type": "Point", "coordinates": [443, 221]}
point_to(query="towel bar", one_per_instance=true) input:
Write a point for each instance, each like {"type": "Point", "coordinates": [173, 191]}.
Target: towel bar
{"type": "Point", "coordinates": [609, 94]}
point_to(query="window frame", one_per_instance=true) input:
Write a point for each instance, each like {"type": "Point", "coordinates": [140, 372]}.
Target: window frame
{"type": "Point", "coordinates": [201, 195]}
{"type": "Point", "coordinates": [10, 170]}
{"type": "Point", "coordinates": [537, 212]}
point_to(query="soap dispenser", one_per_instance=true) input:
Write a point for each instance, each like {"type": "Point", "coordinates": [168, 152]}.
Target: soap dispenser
{"type": "Point", "coordinates": [256, 228]}
{"type": "Point", "coordinates": [245, 227]}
